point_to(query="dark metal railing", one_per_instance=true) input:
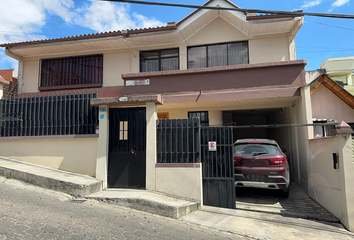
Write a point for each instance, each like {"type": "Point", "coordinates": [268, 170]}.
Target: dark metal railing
{"type": "Point", "coordinates": [178, 141]}
{"type": "Point", "coordinates": [48, 114]}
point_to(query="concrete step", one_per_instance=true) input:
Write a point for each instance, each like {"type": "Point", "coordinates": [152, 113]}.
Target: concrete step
{"type": "Point", "coordinates": [148, 201]}
{"type": "Point", "coordinates": [66, 182]}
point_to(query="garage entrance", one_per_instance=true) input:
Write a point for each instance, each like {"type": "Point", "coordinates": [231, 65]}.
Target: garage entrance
{"type": "Point", "coordinates": [127, 148]}
{"type": "Point", "coordinates": [256, 117]}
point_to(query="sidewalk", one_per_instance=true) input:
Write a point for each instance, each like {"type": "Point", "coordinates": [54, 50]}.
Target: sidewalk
{"type": "Point", "coordinates": [84, 186]}
{"type": "Point", "coordinates": [265, 225]}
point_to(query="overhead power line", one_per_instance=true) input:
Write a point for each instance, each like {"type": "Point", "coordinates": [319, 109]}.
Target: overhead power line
{"type": "Point", "coordinates": [244, 10]}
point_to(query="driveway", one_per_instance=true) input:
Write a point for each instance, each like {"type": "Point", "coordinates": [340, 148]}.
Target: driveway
{"type": "Point", "coordinates": [298, 204]}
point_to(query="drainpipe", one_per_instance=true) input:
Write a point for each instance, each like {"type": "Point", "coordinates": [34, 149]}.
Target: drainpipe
{"type": "Point", "coordinates": [20, 68]}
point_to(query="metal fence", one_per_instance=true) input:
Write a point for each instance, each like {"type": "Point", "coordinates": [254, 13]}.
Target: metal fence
{"type": "Point", "coordinates": [48, 114]}
{"type": "Point", "coordinates": [218, 167]}
{"type": "Point", "coordinates": [178, 140]}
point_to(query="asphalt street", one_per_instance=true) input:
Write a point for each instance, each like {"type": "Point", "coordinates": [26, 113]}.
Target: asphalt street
{"type": "Point", "coordinates": [28, 212]}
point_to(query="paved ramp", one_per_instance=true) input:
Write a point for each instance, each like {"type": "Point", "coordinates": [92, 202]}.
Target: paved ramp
{"type": "Point", "coordinates": [298, 204]}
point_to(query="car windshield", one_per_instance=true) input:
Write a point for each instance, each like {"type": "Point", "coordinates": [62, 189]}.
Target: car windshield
{"type": "Point", "coordinates": [251, 149]}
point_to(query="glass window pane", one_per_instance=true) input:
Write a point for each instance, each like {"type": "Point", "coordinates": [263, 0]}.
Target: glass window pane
{"type": "Point", "coordinates": [238, 53]}
{"type": "Point", "coordinates": [149, 55]}
{"type": "Point", "coordinates": [169, 53]}
{"type": "Point", "coordinates": [197, 57]}
{"type": "Point", "coordinates": [217, 55]}
{"type": "Point", "coordinates": [169, 64]}
{"type": "Point", "coordinates": [149, 65]}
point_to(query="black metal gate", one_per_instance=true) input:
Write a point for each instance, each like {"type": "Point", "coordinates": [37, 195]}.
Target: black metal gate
{"type": "Point", "coordinates": [127, 148]}
{"type": "Point", "coordinates": [218, 167]}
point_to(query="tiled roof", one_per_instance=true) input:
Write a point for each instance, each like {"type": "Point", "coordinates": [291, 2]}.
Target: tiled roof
{"type": "Point", "coordinates": [334, 87]}
{"type": "Point", "coordinates": [169, 26]}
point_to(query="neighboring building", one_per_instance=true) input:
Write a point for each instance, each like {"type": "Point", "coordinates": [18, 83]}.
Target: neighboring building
{"type": "Point", "coordinates": [9, 89]}
{"type": "Point", "coordinates": [330, 103]}
{"type": "Point", "coordinates": [225, 67]}
{"type": "Point", "coordinates": [341, 70]}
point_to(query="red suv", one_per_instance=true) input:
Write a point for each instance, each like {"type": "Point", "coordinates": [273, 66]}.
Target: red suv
{"type": "Point", "coordinates": [260, 163]}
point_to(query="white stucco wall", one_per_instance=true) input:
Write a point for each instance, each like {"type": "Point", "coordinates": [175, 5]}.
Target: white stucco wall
{"type": "Point", "coordinates": [73, 155]}
{"type": "Point", "coordinates": [333, 188]}
{"type": "Point", "coordinates": [273, 49]}
{"type": "Point", "coordinates": [180, 181]}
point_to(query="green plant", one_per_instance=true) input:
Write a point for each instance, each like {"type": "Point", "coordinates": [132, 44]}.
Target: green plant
{"type": "Point", "coordinates": [8, 176]}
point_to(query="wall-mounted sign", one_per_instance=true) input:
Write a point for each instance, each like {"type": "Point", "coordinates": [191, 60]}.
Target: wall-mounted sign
{"type": "Point", "coordinates": [123, 99]}
{"type": "Point", "coordinates": [101, 116]}
{"type": "Point", "coordinates": [212, 146]}
{"type": "Point", "coordinates": [103, 109]}
{"type": "Point", "coordinates": [140, 82]}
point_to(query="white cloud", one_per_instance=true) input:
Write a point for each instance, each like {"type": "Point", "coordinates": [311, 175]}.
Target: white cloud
{"type": "Point", "coordinates": [339, 3]}
{"type": "Point", "coordinates": [108, 16]}
{"type": "Point", "coordinates": [22, 20]}
{"type": "Point", "coordinates": [311, 4]}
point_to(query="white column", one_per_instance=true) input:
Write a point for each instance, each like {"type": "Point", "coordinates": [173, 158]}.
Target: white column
{"type": "Point", "coordinates": [151, 117]}
{"type": "Point", "coordinates": [1, 90]}
{"type": "Point", "coordinates": [102, 149]}
{"type": "Point", "coordinates": [183, 64]}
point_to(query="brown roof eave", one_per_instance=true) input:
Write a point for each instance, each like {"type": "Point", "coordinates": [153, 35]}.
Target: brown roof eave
{"type": "Point", "coordinates": [169, 27]}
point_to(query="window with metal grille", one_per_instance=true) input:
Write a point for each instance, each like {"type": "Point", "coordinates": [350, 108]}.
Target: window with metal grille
{"type": "Point", "coordinates": [159, 60]}
{"type": "Point", "coordinates": [69, 72]}
{"type": "Point", "coordinates": [215, 55]}
{"type": "Point", "coordinates": [202, 115]}
{"type": "Point", "coordinates": [322, 131]}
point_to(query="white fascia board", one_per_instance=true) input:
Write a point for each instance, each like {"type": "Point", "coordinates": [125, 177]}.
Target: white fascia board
{"type": "Point", "coordinates": [221, 3]}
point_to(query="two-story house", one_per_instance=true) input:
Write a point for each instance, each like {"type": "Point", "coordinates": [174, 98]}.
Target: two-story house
{"type": "Point", "coordinates": [225, 67]}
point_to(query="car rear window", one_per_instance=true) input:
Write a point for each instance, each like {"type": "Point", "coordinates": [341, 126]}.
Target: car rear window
{"type": "Point", "coordinates": [251, 149]}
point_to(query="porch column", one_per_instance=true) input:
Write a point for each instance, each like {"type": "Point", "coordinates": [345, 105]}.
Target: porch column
{"type": "Point", "coordinates": [102, 148]}
{"type": "Point", "coordinates": [151, 117]}
{"type": "Point", "coordinates": [1, 90]}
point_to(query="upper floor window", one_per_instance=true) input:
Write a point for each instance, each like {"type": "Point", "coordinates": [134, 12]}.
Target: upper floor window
{"type": "Point", "coordinates": [218, 55]}
{"type": "Point", "coordinates": [159, 60]}
{"type": "Point", "coordinates": [70, 71]}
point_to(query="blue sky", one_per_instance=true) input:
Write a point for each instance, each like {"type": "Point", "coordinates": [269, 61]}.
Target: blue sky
{"type": "Point", "coordinates": [23, 20]}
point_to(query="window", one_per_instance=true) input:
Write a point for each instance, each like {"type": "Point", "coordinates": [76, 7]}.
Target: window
{"type": "Point", "coordinates": [160, 60]}
{"type": "Point", "coordinates": [203, 116]}
{"type": "Point", "coordinates": [163, 115]}
{"type": "Point", "coordinates": [322, 131]}
{"type": "Point", "coordinates": [123, 130]}
{"type": "Point", "coordinates": [218, 55]}
{"type": "Point", "coordinates": [70, 71]}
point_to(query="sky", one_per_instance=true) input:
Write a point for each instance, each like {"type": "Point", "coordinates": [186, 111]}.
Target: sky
{"type": "Point", "coordinates": [25, 20]}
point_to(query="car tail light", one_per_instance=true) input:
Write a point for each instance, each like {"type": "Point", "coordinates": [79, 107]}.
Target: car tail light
{"type": "Point", "coordinates": [237, 160]}
{"type": "Point", "coordinates": [278, 161]}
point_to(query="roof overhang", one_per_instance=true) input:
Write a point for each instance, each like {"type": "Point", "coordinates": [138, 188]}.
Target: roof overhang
{"type": "Point", "coordinates": [252, 26]}
{"type": "Point", "coordinates": [334, 87]}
